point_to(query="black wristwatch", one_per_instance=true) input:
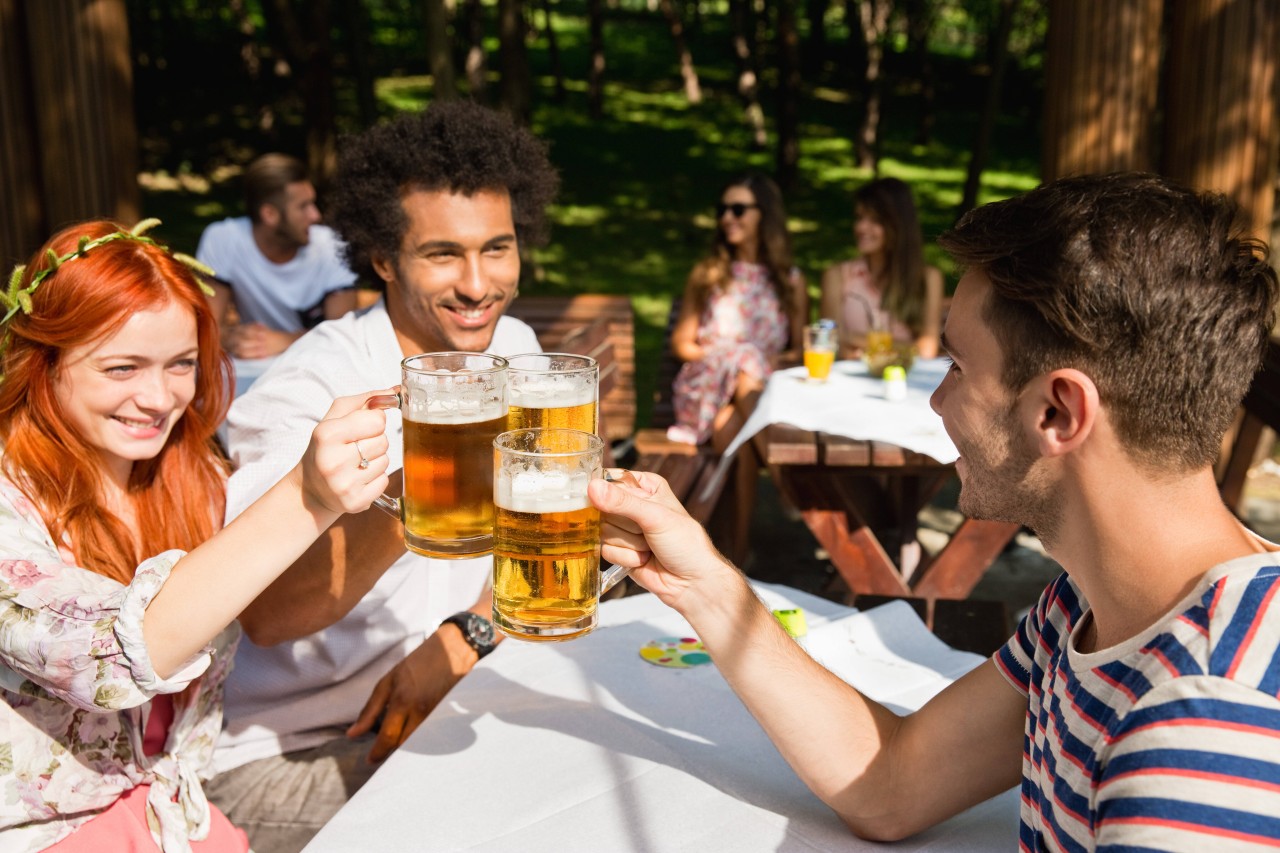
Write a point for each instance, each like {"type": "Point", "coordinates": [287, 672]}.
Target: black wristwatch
{"type": "Point", "coordinates": [476, 630]}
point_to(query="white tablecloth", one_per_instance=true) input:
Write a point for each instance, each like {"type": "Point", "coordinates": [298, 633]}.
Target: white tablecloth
{"type": "Point", "coordinates": [852, 404]}
{"type": "Point", "coordinates": [584, 746]}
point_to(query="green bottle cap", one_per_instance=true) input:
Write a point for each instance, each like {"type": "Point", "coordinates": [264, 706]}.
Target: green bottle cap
{"type": "Point", "coordinates": [894, 372]}
{"type": "Point", "coordinates": [792, 621]}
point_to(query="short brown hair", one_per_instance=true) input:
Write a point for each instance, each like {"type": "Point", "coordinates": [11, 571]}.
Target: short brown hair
{"type": "Point", "coordinates": [265, 180]}
{"type": "Point", "coordinates": [1154, 290]}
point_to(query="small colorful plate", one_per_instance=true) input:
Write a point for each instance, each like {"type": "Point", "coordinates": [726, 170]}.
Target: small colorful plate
{"type": "Point", "coordinates": [675, 652]}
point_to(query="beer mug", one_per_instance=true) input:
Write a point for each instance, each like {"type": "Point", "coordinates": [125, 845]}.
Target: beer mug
{"type": "Point", "coordinates": [553, 390]}
{"type": "Point", "coordinates": [453, 405]}
{"type": "Point", "coordinates": [546, 536]}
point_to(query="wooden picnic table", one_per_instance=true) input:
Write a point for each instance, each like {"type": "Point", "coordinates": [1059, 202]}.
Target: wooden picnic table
{"type": "Point", "coordinates": [847, 489]}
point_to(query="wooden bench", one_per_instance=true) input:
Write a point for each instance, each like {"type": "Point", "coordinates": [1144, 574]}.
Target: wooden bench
{"type": "Point", "coordinates": [722, 501]}
{"type": "Point", "coordinates": [555, 318]}
{"type": "Point", "coordinates": [1259, 411]}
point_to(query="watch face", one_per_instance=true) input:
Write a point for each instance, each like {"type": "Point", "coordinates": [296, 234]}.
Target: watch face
{"type": "Point", "coordinates": [481, 630]}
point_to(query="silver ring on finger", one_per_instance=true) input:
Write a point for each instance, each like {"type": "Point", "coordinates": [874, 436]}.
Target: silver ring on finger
{"type": "Point", "coordinates": [364, 462]}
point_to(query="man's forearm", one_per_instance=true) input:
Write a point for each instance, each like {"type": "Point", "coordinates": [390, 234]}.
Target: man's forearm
{"type": "Point", "coordinates": [328, 580]}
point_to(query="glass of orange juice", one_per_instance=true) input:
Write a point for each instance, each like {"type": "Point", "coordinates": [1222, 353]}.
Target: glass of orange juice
{"type": "Point", "coordinates": [819, 350]}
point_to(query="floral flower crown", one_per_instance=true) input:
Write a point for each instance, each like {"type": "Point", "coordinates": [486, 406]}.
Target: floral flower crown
{"type": "Point", "coordinates": [17, 298]}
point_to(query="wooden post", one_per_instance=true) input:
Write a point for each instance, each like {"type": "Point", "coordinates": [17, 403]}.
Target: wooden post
{"type": "Point", "coordinates": [1101, 86]}
{"type": "Point", "coordinates": [21, 214]}
{"type": "Point", "coordinates": [68, 144]}
{"type": "Point", "coordinates": [1220, 115]}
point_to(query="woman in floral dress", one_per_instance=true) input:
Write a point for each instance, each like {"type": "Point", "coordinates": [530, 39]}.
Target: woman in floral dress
{"type": "Point", "coordinates": [742, 307]}
{"type": "Point", "coordinates": [117, 599]}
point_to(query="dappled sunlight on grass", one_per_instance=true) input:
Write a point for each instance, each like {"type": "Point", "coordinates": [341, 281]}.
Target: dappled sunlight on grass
{"type": "Point", "coordinates": [640, 182]}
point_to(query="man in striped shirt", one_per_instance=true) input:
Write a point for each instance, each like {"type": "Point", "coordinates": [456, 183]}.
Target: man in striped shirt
{"type": "Point", "coordinates": [1103, 335]}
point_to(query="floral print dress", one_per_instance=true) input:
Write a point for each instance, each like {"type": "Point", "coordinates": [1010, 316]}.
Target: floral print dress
{"type": "Point", "coordinates": [742, 327]}
{"type": "Point", "coordinates": [76, 683]}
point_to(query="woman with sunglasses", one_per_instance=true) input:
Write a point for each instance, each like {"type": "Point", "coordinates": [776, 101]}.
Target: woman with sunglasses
{"type": "Point", "coordinates": [888, 286]}
{"type": "Point", "coordinates": [742, 307]}
{"type": "Point", "coordinates": [118, 595]}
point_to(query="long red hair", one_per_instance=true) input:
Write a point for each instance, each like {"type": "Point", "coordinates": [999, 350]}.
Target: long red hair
{"type": "Point", "coordinates": [179, 496]}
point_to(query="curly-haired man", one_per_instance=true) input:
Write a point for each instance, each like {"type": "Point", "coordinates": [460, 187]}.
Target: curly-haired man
{"type": "Point", "coordinates": [356, 643]}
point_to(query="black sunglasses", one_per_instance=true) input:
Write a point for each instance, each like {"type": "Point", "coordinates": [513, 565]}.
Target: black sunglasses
{"type": "Point", "coordinates": [738, 209]}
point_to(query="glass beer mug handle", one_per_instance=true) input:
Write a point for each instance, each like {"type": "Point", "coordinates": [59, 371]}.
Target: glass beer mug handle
{"type": "Point", "coordinates": [609, 577]}
{"type": "Point", "coordinates": [385, 502]}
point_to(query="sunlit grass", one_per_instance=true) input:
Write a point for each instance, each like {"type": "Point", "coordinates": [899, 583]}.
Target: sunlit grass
{"type": "Point", "coordinates": [639, 183]}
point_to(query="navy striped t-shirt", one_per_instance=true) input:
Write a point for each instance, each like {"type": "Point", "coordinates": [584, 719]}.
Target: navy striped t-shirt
{"type": "Point", "coordinates": [1168, 741]}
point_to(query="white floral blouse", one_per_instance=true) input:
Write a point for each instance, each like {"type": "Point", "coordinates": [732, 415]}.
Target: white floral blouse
{"type": "Point", "coordinates": [76, 684]}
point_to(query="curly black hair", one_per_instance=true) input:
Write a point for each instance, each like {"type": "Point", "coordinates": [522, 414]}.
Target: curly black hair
{"type": "Point", "coordinates": [457, 146]}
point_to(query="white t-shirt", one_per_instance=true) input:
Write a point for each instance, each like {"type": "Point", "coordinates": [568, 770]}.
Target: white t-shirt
{"type": "Point", "coordinates": [299, 694]}
{"type": "Point", "coordinates": [275, 295]}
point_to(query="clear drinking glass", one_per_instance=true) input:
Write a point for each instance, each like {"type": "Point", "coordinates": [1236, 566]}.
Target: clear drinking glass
{"type": "Point", "coordinates": [553, 390]}
{"type": "Point", "coordinates": [547, 581]}
{"type": "Point", "coordinates": [819, 350]}
{"type": "Point", "coordinates": [453, 404]}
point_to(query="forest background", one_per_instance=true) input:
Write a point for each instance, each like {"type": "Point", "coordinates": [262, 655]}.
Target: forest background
{"type": "Point", "coordinates": [648, 107]}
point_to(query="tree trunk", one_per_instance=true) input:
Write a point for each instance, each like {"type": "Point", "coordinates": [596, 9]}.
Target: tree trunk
{"type": "Point", "coordinates": [439, 53]}
{"type": "Point", "coordinates": [856, 70]}
{"type": "Point", "coordinates": [553, 52]}
{"type": "Point", "coordinates": [815, 49]}
{"type": "Point", "coordinates": [990, 109]}
{"type": "Point", "coordinates": [788, 94]}
{"type": "Point", "coordinates": [308, 48]}
{"type": "Point", "coordinates": [1102, 75]}
{"type": "Point", "coordinates": [1221, 131]}
{"type": "Point", "coordinates": [595, 74]}
{"type": "Point", "coordinates": [82, 134]}
{"type": "Point", "coordinates": [361, 66]}
{"type": "Point", "coordinates": [514, 88]}
{"type": "Point", "coordinates": [874, 15]}
{"type": "Point", "coordinates": [322, 143]}
{"type": "Point", "coordinates": [23, 224]}
{"type": "Point", "coordinates": [688, 73]}
{"type": "Point", "coordinates": [744, 57]}
{"type": "Point", "coordinates": [477, 65]}
{"type": "Point", "coordinates": [919, 25]}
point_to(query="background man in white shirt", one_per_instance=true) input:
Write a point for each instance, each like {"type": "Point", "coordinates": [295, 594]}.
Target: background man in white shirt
{"type": "Point", "coordinates": [283, 269]}
{"type": "Point", "coordinates": [351, 648]}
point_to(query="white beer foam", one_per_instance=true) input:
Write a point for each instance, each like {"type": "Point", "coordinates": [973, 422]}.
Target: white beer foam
{"type": "Point", "coordinates": [541, 491]}
{"type": "Point", "coordinates": [549, 392]}
{"type": "Point", "coordinates": [455, 410]}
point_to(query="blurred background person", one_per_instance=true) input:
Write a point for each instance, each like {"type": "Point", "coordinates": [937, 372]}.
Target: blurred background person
{"type": "Point", "coordinates": [743, 306]}
{"type": "Point", "coordinates": [116, 645]}
{"type": "Point", "coordinates": [888, 286]}
{"type": "Point", "coordinates": [282, 268]}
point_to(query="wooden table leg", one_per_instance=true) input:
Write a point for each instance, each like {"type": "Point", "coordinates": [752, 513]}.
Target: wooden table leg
{"type": "Point", "coordinates": [856, 553]}
{"type": "Point", "coordinates": [960, 565]}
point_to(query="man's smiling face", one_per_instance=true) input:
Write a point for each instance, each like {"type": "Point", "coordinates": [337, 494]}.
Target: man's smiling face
{"type": "Point", "coordinates": [456, 271]}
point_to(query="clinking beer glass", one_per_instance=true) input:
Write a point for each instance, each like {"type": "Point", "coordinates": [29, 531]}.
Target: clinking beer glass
{"type": "Point", "coordinates": [553, 390]}
{"type": "Point", "coordinates": [546, 539]}
{"type": "Point", "coordinates": [453, 405]}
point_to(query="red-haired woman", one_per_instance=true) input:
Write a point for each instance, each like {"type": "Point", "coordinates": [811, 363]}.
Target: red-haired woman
{"type": "Point", "coordinates": [117, 599]}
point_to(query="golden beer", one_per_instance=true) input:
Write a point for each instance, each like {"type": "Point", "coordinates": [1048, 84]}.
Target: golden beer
{"type": "Point", "coordinates": [533, 411]}
{"type": "Point", "coordinates": [546, 572]}
{"type": "Point", "coordinates": [546, 534]}
{"type": "Point", "coordinates": [553, 390]}
{"type": "Point", "coordinates": [448, 485]}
